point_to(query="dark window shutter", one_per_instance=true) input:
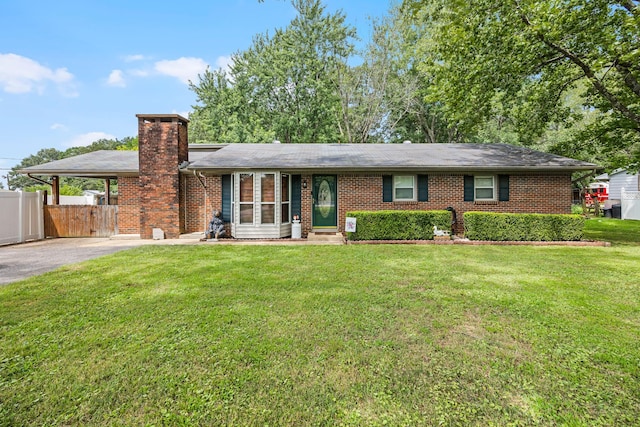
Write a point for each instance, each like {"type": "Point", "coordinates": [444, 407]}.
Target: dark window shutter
{"type": "Point", "coordinates": [296, 195]}
{"type": "Point", "coordinates": [226, 198]}
{"type": "Point", "coordinates": [387, 188]}
{"type": "Point", "coordinates": [423, 188]}
{"type": "Point", "coordinates": [469, 185]}
{"type": "Point", "coordinates": [503, 188]}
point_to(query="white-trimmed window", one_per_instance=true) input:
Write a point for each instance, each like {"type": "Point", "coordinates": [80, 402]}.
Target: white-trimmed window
{"type": "Point", "coordinates": [285, 198]}
{"type": "Point", "coordinates": [404, 187]}
{"type": "Point", "coordinates": [267, 198]}
{"type": "Point", "coordinates": [484, 187]}
{"type": "Point", "coordinates": [246, 198]}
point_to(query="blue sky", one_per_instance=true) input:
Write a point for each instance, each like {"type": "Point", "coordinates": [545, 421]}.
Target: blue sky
{"type": "Point", "coordinates": [75, 71]}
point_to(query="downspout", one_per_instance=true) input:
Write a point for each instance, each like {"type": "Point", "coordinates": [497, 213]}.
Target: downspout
{"type": "Point", "coordinates": [38, 179]}
{"type": "Point", "coordinates": [50, 184]}
{"type": "Point", "coordinates": [199, 175]}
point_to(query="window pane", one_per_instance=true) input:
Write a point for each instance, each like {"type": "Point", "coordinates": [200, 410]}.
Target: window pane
{"type": "Point", "coordinates": [484, 193]}
{"type": "Point", "coordinates": [284, 188]}
{"type": "Point", "coordinates": [268, 187]}
{"type": "Point", "coordinates": [404, 181]}
{"type": "Point", "coordinates": [267, 214]}
{"type": "Point", "coordinates": [246, 214]}
{"type": "Point", "coordinates": [246, 187]}
{"type": "Point", "coordinates": [285, 213]}
{"type": "Point", "coordinates": [484, 182]}
{"type": "Point", "coordinates": [404, 193]}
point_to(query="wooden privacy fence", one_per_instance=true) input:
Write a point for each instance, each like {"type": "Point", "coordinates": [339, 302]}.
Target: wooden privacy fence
{"type": "Point", "coordinates": [80, 220]}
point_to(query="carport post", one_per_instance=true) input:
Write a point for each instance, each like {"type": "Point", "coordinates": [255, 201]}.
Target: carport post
{"type": "Point", "coordinates": [55, 190]}
{"type": "Point", "coordinates": [107, 191]}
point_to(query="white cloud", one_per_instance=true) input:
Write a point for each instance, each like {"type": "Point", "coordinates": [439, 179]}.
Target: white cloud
{"type": "Point", "coordinates": [58, 126]}
{"type": "Point", "coordinates": [116, 78]}
{"type": "Point", "coordinates": [19, 74]}
{"type": "Point", "coordinates": [138, 73]}
{"type": "Point", "coordinates": [87, 138]}
{"type": "Point", "coordinates": [133, 58]}
{"type": "Point", "coordinates": [224, 62]}
{"type": "Point", "coordinates": [184, 69]}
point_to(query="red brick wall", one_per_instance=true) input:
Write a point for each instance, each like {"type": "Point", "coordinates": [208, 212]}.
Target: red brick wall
{"type": "Point", "coordinates": [128, 205]}
{"type": "Point", "coordinates": [528, 194]}
{"type": "Point", "coordinates": [162, 148]}
{"type": "Point", "coordinates": [200, 203]}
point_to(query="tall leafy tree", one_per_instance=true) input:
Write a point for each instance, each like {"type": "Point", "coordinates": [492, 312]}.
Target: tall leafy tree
{"type": "Point", "coordinates": [383, 99]}
{"type": "Point", "coordinates": [529, 53]}
{"type": "Point", "coordinates": [283, 87]}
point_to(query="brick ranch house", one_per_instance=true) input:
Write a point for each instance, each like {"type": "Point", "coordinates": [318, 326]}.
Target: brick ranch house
{"type": "Point", "coordinates": [259, 188]}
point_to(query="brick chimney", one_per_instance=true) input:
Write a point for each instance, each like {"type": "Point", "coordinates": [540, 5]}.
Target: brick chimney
{"type": "Point", "coordinates": [163, 146]}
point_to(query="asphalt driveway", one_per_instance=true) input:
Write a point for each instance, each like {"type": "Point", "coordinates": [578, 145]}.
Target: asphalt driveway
{"type": "Point", "coordinates": [18, 262]}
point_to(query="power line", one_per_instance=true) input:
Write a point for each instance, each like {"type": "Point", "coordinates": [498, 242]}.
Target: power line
{"type": "Point", "coordinates": [9, 158]}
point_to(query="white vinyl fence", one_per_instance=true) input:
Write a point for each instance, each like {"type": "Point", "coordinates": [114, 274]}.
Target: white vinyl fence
{"type": "Point", "coordinates": [630, 201]}
{"type": "Point", "coordinates": [21, 217]}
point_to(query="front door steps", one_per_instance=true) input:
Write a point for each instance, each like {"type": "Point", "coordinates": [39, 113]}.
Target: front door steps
{"type": "Point", "coordinates": [326, 237]}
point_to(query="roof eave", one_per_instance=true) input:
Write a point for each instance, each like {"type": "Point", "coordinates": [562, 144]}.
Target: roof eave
{"type": "Point", "coordinates": [80, 173]}
{"type": "Point", "coordinates": [378, 169]}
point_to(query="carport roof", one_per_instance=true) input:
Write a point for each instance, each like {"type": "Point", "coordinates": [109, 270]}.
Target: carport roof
{"type": "Point", "coordinates": [103, 163]}
{"type": "Point", "coordinates": [99, 164]}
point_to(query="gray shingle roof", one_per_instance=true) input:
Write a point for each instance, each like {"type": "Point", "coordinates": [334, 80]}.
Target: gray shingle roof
{"type": "Point", "coordinates": [380, 157]}
{"type": "Point", "coordinates": [100, 163]}
{"type": "Point", "coordinates": [329, 157]}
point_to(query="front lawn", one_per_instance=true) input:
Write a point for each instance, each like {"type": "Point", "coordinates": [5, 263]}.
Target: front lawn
{"type": "Point", "coordinates": [616, 231]}
{"type": "Point", "coordinates": [326, 335]}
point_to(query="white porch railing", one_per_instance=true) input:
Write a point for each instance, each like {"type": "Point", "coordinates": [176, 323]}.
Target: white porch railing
{"type": "Point", "coordinates": [21, 217]}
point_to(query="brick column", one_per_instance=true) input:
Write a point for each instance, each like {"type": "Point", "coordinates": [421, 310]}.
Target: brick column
{"type": "Point", "coordinates": [163, 146]}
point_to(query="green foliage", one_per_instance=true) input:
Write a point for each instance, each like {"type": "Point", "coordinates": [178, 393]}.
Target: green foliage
{"type": "Point", "coordinates": [521, 57]}
{"type": "Point", "coordinates": [65, 190]}
{"type": "Point", "coordinates": [522, 227]}
{"type": "Point", "coordinates": [398, 225]}
{"type": "Point", "coordinates": [283, 87]}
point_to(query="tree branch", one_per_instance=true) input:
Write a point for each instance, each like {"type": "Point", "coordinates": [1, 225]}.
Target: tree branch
{"type": "Point", "coordinates": [629, 79]}
{"type": "Point", "coordinates": [629, 5]}
{"type": "Point", "coordinates": [588, 72]}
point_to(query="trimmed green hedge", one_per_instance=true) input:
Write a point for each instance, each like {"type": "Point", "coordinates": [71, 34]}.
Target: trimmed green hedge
{"type": "Point", "coordinates": [398, 225]}
{"type": "Point", "coordinates": [522, 227]}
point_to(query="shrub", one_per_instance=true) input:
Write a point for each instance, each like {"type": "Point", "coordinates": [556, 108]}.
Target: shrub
{"type": "Point", "coordinates": [577, 209]}
{"type": "Point", "coordinates": [522, 227]}
{"type": "Point", "coordinates": [398, 225]}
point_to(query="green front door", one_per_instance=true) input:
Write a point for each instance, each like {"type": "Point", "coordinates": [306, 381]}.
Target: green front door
{"type": "Point", "coordinates": [325, 214]}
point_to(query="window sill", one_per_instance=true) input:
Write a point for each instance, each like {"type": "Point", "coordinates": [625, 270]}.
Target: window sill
{"type": "Point", "coordinates": [485, 202]}
{"type": "Point", "coordinates": [405, 202]}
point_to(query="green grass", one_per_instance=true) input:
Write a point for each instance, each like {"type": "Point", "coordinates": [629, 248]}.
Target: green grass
{"type": "Point", "coordinates": [616, 231]}
{"type": "Point", "coordinates": [328, 335]}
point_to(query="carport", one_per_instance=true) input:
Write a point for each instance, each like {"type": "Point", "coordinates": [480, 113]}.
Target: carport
{"type": "Point", "coordinates": [83, 220]}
